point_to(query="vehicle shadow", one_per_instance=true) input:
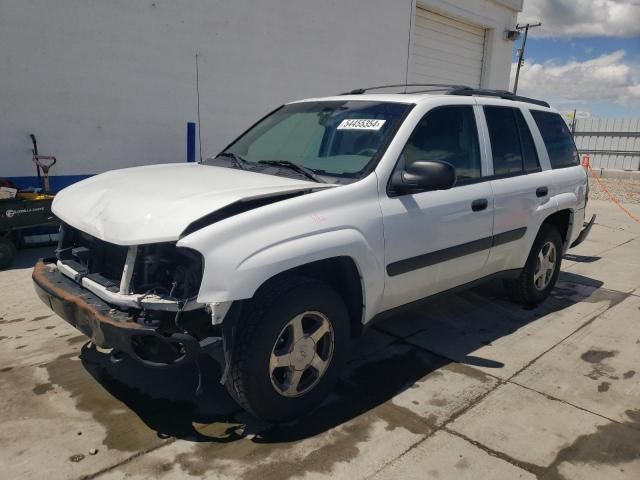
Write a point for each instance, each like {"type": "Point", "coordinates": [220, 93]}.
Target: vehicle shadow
{"type": "Point", "coordinates": [387, 360]}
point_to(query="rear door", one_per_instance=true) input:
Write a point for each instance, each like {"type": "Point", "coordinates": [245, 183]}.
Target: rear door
{"type": "Point", "coordinates": [569, 178]}
{"type": "Point", "coordinates": [522, 188]}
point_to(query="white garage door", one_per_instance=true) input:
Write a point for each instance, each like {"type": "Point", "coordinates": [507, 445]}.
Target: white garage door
{"type": "Point", "coordinates": [446, 50]}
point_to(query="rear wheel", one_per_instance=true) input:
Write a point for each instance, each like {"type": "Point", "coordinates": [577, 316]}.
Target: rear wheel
{"type": "Point", "coordinates": [541, 271]}
{"type": "Point", "coordinates": [289, 347]}
{"type": "Point", "coordinates": [7, 252]}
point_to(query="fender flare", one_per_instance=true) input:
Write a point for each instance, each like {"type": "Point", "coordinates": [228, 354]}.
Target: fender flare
{"type": "Point", "coordinates": [246, 275]}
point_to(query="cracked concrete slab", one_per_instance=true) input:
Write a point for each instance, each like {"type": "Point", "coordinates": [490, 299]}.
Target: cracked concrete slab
{"type": "Point", "coordinates": [494, 336]}
{"type": "Point", "coordinates": [444, 456]}
{"type": "Point", "coordinates": [549, 437]}
{"type": "Point", "coordinates": [613, 274]}
{"type": "Point", "coordinates": [444, 393]}
{"type": "Point", "coordinates": [355, 449]}
{"type": "Point", "coordinates": [597, 368]}
{"type": "Point", "coordinates": [525, 426]}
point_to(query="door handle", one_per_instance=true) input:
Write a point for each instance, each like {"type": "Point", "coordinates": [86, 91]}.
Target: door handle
{"type": "Point", "coordinates": [479, 204]}
{"type": "Point", "coordinates": [542, 191]}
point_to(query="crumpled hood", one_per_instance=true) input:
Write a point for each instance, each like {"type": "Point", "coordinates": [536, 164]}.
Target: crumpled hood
{"type": "Point", "coordinates": [156, 203]}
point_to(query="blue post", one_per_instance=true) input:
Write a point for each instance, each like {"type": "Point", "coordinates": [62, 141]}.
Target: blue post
{"type": "Point", "coordinates": [191, 142]}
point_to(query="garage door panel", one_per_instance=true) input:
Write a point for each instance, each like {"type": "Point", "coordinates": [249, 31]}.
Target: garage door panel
{"type": "Point", "coordinates": [422, 13]}
{"type": "Point", "coordinates": [445, 73]}
{"type": "Point", "coordinates": [434, 77]}
{"type": "Point", "coordinates": [446, 50]}
{"type": "Point", "coordinates": [434, 40]}
{"type": "Point", "coordinates": [446, 65]}
{"type": "Point", "coordinates": [436, 74]}
{"type": "Point", "coordinates": [449, 35]}
{"type": "Point", "coordinates": [451, 30]}
{"type": "Point", "coordinates": [452, 50]}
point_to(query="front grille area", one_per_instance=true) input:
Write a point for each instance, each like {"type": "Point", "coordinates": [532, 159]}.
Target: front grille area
{"type": "Point", "coordinates": [101, 261]}
{"type": "Point", "coordinates": [160, 268]}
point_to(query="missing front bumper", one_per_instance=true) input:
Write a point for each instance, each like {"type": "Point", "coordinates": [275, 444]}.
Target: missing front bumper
{"type": "Point", "coordinates": [108, 327]}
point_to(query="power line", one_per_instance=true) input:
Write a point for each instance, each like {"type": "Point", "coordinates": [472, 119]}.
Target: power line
{"type": "Point", "coordinates": [521, 52]}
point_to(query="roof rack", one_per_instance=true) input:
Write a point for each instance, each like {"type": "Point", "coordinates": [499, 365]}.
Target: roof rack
{"type": "Point", "coordinates": [452, 89]}
{"type": "Point", "coordinates": [496, 93]}
{"type": "Point", "coordinates": [439, 86]}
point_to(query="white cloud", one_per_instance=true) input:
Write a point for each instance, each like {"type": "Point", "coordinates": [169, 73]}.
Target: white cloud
{"type": "Point", "coordinates": [607, 78]}
{"type": "Point", "coordinates": [583, 18]}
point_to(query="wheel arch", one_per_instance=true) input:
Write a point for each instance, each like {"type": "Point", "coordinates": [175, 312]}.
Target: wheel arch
{"type": "Point", "coordinates": [562, 220]}
{"type": "Point", "coordinates": [231, 274]}
{"type": "Point", "coordinates": [342, 274]}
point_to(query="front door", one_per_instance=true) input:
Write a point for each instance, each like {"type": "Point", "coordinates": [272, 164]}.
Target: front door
{"type": "Point", "coordinates": [440, 239]}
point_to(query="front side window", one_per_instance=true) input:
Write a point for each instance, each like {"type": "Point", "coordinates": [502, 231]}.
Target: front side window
{"type": "Point", "coordinates": [557, 138]}
{"type": "Point", "coordinates": [339, 139]}
{"type": "Point", "coordinates": [447, 134]}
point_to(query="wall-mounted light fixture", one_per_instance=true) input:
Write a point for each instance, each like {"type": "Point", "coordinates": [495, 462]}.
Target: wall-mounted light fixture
{"type": "Point", "coordinates": [512, 35]}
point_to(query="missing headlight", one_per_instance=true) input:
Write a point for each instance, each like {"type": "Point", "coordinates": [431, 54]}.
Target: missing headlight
{"type": "Point", "coordinates": [167, 270]}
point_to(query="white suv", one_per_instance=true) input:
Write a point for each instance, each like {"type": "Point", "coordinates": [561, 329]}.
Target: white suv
{"type": "Point", "coordinates": [325, 215]}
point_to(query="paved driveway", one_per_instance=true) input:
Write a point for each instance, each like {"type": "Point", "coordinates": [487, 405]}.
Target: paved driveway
{"type": "Point", "coordinates": [469, 386]}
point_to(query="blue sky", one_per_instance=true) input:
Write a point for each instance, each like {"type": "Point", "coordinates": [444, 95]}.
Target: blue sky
{"type": "Point", "coordinates": [580, 49]}
{"type": "Point", "coordinates": [586, 55]}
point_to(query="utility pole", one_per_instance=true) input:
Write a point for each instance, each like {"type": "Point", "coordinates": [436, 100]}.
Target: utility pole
{"type": "Point", "coordinates": [521, 52]}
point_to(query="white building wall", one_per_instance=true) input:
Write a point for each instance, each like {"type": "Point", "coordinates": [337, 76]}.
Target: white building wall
{"type": "Point", "coordinates": [109, 84]}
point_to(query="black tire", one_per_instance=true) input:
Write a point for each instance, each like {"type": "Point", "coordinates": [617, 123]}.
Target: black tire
{"type": "Point", "coordinates": [7, 252]}
{"type": "Point", "coordinates": [261, 324]}
{"type": "Point", "coordinates": [523, 289]}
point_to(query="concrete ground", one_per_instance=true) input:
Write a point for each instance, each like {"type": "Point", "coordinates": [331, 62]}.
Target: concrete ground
{"type": "Point", "coordinates": [468, 387]}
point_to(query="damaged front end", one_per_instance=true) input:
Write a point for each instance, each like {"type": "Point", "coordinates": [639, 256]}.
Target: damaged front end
{"type": "Point", "coordinates": [140, 300]}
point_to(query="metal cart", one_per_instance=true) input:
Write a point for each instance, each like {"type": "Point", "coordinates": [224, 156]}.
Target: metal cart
{"type": "Point", "coordinates": [26, 211]}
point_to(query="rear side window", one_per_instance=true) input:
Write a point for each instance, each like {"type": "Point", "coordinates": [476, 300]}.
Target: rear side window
{"type": "Point", "coordinates": [511, 143]}
{"type": "Point", "coordinates": [531, 162]}
{"type": "Point", "coordinates": [505, 140]}
{"type": "Point", "coordinates": [557, 138]}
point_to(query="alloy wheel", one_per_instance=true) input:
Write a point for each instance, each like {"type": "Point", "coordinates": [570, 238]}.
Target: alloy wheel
{"type": "Point", "coordinates": [301, 354]}
{"type": "Point", "coordinates": [545, 266]}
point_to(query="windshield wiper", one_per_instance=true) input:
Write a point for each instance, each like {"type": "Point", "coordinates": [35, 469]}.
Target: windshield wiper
{"type": "Point", "coordinates": [295, 167]}
{"type": "Point", "coordinates": [239, 162]}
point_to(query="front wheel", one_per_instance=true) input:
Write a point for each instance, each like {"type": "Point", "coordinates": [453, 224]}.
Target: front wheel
{"type": "Point", "coordinates": [289, 348]}
{"type": "Point", "coordinates": [541, 271]}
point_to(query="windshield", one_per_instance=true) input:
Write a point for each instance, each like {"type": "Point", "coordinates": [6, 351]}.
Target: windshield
{"type": "Point", "coordinates": [333, 138]}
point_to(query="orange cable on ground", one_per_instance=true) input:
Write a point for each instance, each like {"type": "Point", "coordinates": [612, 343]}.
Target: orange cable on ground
{"type": "Point", "coordinates": [611, 196]}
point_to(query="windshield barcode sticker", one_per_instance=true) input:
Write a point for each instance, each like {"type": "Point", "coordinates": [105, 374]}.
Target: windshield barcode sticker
{"type": "Point", "coordinates": [361, 124]}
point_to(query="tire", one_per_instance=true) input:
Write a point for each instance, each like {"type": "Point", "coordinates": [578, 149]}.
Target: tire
{"type": "Point", "coordinates": [7, 252]}
{"type": "Point", "coordinates": [267, 331]}
{"type": "Point", "coordinates": [530, 288]}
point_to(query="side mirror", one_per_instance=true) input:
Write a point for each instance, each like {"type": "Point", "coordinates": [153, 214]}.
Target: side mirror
{"type": "Point", "coordinates": [423, 176]}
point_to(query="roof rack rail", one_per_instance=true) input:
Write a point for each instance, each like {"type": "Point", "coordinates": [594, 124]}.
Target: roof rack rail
{"type": "Point", "coordinates": [453, 89]}
{"type": "Point", "coordinates": [496, 93]}
{"type": "Point", "coordinates": [443, 86]}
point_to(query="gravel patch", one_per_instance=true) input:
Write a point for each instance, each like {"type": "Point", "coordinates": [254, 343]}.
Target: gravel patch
{"type": "Point", "coordinates": [625, 190]}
